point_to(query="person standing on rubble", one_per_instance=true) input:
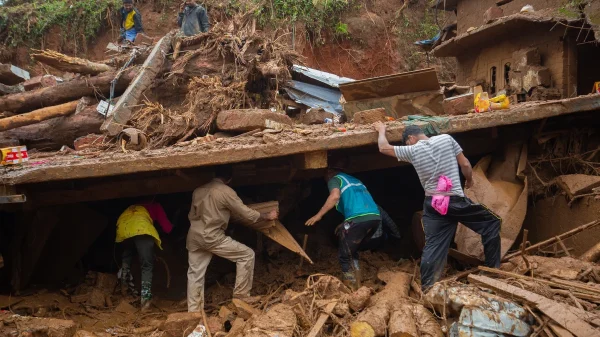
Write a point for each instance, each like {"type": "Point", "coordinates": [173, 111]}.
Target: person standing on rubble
{"type": "Point", "coordinates": [135, 230]}
{"type": "Point", "coordinates": [436, 161]}
{"type": "Point", "coordinates": [213, 205]}
{"type": "Point", "coordinates": [361, 214]}
{"type": "Point", "coordinates": [193, 18]}
{"type": "Point", "coordinates": [131, 21]}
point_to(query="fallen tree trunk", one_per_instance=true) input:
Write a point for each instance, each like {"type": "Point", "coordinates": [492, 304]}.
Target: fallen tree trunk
{"type": "Point", "coordinates": [402, 323]}
{"type": "Point", "coordinates": [38, 116]}
{"type": "Point", "coordinates": [592, 255]}
{"type": "Point", "coordinates": [52, 134]}
{"type": "Point", "coordinates": [71, 64]}
{"type": "Point", "coordinates": [64, 92]}
{"type": "Point", "coordinates": [11, 75]}
{"type": "Point", "coordinates": [130, 98]}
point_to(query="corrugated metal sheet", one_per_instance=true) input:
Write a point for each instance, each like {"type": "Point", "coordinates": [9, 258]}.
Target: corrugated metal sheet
{"type": "Point", "coordinates": [315, 96]}
{"type": "Point", "coordinates": [329, 79]}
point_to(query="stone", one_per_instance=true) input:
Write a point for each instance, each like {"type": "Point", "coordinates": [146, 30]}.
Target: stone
{"type": "Point", "coordinates": [181, 323]}
{"type": "Point", "coordinates": [492, 14]}
{"type": "Point", "coordinates": [97, 298]}
{"type": "Point", "coordinates": [106, 282]}
{"type": "Point", "coordinates": [369, 116]}
{"type": "Point", "coordinates": [243, 309]}
{"type": "Point", "coordinates": [243, 120]}
{"type": "Point", "coordinates": [125, 308]}
{"type": "Point", "coordinates": [278, 320]}
{"type": "Point", "coordinates": [225, 313]}
{"type": "Point", "coordinates": [315, 116]}
{"type": "Point", "coordinates": [458, 105]}
{"type": "Point", "coordinates": [269, 138]}
{"type": "Point", "coordinates": [51, 326]}
{"type": "Point", "coordinates": [577, 184]}
{"type": "Point", "coordinates": [215, 324]}
{"type": "Point", "coordinates": [88, 141]}
{"type": "Point", "coordinates": [526, 57]}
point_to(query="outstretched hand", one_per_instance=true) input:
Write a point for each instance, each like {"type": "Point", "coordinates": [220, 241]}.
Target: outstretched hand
{"type": "Point", "coordinates": [272, 215]}
{"type": "Point", "coordinates": [379, 127]}
{"type": "Point", "coordinates": [313, 220]}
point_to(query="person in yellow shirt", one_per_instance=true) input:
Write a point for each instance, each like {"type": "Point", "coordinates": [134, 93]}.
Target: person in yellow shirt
{"type": "Point", "coordinates": [135, 230]}
{"type": "Point", "coordinates": [131, 21]}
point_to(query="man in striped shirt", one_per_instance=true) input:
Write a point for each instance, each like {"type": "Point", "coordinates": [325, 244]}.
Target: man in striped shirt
{"type": "Point", "coordinates": [433, 158]}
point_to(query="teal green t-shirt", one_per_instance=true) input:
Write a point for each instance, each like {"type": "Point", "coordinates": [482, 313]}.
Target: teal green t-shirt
{"type": "Point", "coordinates": [337, 183]}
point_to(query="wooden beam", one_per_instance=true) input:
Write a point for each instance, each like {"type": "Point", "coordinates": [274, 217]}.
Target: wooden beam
{"type": "Point", "coordinates": [37, 116]}
{"type": "Point", "coordinates": [316, 329]}
{"type": "Point", "coordinates": [311, 160]}
{"type": "Point", "coordinates": [108, 164]}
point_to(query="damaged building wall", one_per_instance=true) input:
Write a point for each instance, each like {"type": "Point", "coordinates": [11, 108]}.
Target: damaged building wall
{"type": "Point", "coordinates": [553, 47]}
{"type": "Point", "coordinates": [470, 12]}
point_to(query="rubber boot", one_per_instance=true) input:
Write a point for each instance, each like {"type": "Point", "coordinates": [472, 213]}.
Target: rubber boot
{"type": "Point", "coordinates": [349, 280]}
{"type": "Point", "coordinates": [146, 295]}
{"type": "Point", "coordinates": [357, 273]}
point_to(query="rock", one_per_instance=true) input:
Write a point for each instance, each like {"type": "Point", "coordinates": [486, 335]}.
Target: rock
{"type": "Point", "coordinates": [106, 282]}
{"type": "Point", "coordinates": [369, 116]}
{"type": "Point", "coordinates": [125, 308]}
{"type": "Point", "coordinates": [88, 141]}
{"type": "Point", "coordinates": [97, 298]}
{"type": "Point", "coordinates": [237, 327]}
{"type": "Point", "coordinates": [358, 300]}
{"type": "Point", "coordinates": [225, 313]}
{"type": "Point", "coordinates": [577, 184]}
{"type": "Point", "coordinates": [492, 14]}
{"type": "Point", "coordinates": [315, 116]}
{"type": "Point", "coordinates": [243, 309]}
{"type": "Point", "coordinates": [269, 138]}
{"type": "Point", "coordinates": [51, 326]}
{"type": "Point", "coordinates": [280, 321]}
{"type": "Point", "coordinates": [181, 323]}
{"type": "Point", "coordinates": [215, 324]}
{"type": "Point", "coordinates": [243, 120]}
{"type": "Point", "coordinates": [458, 105]}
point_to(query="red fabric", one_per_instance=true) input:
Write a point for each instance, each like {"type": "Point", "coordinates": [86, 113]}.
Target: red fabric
{"type": "Point", "coordinates": [157, 213]}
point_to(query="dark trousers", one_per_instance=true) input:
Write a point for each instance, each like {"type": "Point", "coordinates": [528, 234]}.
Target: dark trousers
{"type": "Point", "coordinates": [144, 244]}
{"type": "Point", "coordinates": [351, 238]}
{"type": "Point", "coordinates": [440, 230]}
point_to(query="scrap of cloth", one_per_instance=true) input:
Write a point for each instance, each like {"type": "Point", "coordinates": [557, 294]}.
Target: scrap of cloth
{"type": "Point", "coordinates": [434, 125]}
{"type": "Point", "coordinates": [440, 202]}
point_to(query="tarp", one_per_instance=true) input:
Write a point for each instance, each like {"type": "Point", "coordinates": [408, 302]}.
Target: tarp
{"type": "Point", "coordinates": [329, 79]}
{"type": "Point", "coordinates": [315, 96]}
{"type": "Point", "coordinates": [499, 184]}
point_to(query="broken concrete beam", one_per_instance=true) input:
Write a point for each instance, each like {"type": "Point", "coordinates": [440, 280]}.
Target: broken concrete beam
{"type": "Point", "coordinates": [458, 105]}
{"type": "Point", "coordinates": [311, 160]}
{"type": "Point", "coordinates": [315, 116]}
{"type": "Point", "coordinates": [370, 116]}
{"type": "Point", "coordinates": [577, 184]}
{"type": "Point", "coordinates": [492, 14]}
{"type": "Point", "coordinates": [51, 326]}
{"type": "Point", "coordinates": [243, 309]}
{"type": "Point", "coordinates": [526, 57]}
{"type": "Point", "coordinates": [40, 82]}
{"type": "Point", "coordinates": [243, 120]}
{"type": "Point", "coordinates": [181, 323]}
{"type": "Point", "coordinates": [11, 75]}
{"type": "Point", "coordinates": [122, 112]}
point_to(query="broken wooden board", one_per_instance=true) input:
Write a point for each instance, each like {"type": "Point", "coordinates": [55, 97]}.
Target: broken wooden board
{"type": "Point", "coordinates": [577, 184]}
{"type": "Point", "coordinates": [277, 231]}
{"type": "Point", "coordinates": [391, 85]}
{"type": "Point", "coordinates": [122, 112]}
{"type": "Point", "coordinates": [316, 329]}
{"type": "Point", "coordinates": [573, 319]}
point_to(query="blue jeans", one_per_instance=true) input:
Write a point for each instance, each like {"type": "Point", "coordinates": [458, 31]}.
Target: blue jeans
{"type": "Point", "coordinates": [440, 230]}
{"type": "Point", "coordinates": [130, 35]}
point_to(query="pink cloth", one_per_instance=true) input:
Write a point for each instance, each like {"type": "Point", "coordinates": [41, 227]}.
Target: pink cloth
{"type": "Point", "coordinates": [441, 202]}
{"type": "Point", "coordinates": [157, 213]}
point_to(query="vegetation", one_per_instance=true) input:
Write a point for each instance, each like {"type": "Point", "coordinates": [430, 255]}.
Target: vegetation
{"type": "Point", "coordinates": [24, 23]}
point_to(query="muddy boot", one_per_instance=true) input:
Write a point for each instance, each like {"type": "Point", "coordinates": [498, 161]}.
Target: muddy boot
{"type": "Point", "coordinates": [357, 273]}
{"type": "Point", "coordinates": [146, 295]}
{"type": "Point", "coordinates": [146, 305]}
{"type": "Point", "coordinates": [124, 281]}
{"type": "Point", "coordinates": [349, 280]}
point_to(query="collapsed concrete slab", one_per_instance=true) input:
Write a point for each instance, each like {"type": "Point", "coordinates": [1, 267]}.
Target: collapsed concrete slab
{"type": "Point", "coordinates": [243, 120]}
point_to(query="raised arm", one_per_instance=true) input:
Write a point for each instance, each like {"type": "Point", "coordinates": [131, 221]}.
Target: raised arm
{"type": "Point", "coordinates": [332, 200]}
{"type": "Point", "coordinates": [384, 145]}
{"type": "Point", "coordinates": [466, 169]}
{"type": "Point", "coordinates": [203, 20]}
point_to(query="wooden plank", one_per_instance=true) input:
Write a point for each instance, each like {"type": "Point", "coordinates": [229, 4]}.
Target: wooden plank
{"type": "Point", "coordinates": [568, 317]}
{"type": "Point", "coordinates": [130, 98]}
{"type": "Point", "coordinates": [559, 330]}
{"type": "Point", "coordinates": [316, 329]}
{"type": "Point", "coordinates": [391, 85]}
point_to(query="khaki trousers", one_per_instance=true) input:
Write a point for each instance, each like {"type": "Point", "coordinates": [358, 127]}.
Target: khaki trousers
{"type": "Point", "coordinates": [199, 259]}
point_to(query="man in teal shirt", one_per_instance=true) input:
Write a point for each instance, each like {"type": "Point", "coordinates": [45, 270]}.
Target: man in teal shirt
{"type": "Point", "coordinates": [361, 218]}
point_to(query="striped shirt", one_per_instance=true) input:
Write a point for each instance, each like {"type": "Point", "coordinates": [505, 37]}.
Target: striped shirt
{"type": "Point", "coordinates": [433, 158]}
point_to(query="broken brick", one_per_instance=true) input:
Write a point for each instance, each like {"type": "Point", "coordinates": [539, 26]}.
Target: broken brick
{"type": "Point", "coordinates": [370, 116]}
{"type": "Point", "coordinates": [492, 14]}
{"type": "Point", "coordinates": [51, 326]}
{"type": "Point", "coordinates": [181, 323]}
{"type": "Point", "coordinates": [85, 142]}
{"type": "Point", "coordinates": [315, 116]}
{"type": "Point", "coordinates": [243, 120]}
{"type": "Point", "coordinates": [458, 105]}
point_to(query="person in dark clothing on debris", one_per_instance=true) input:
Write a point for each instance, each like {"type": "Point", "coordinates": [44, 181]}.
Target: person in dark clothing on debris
{"type": "Point", "coordinates": [437, 160]}
{"type": "Point", "coordinates": [361, 218]}
{"type": "Point", "coordinates": [193, 18]}
{"type": "Point", "coordinates": [386, 230]}
{"type": "Point", "coordinates": [131, 21]}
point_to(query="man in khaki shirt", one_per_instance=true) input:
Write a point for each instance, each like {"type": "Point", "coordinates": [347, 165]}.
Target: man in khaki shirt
{"type": "Point", "coordinates": [213, 205]}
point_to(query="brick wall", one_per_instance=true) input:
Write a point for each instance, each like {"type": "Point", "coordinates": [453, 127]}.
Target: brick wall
{"type": "Point", "coordinates": [470, 12]}
{"type": "Point", "coordinates": [476, 64]}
